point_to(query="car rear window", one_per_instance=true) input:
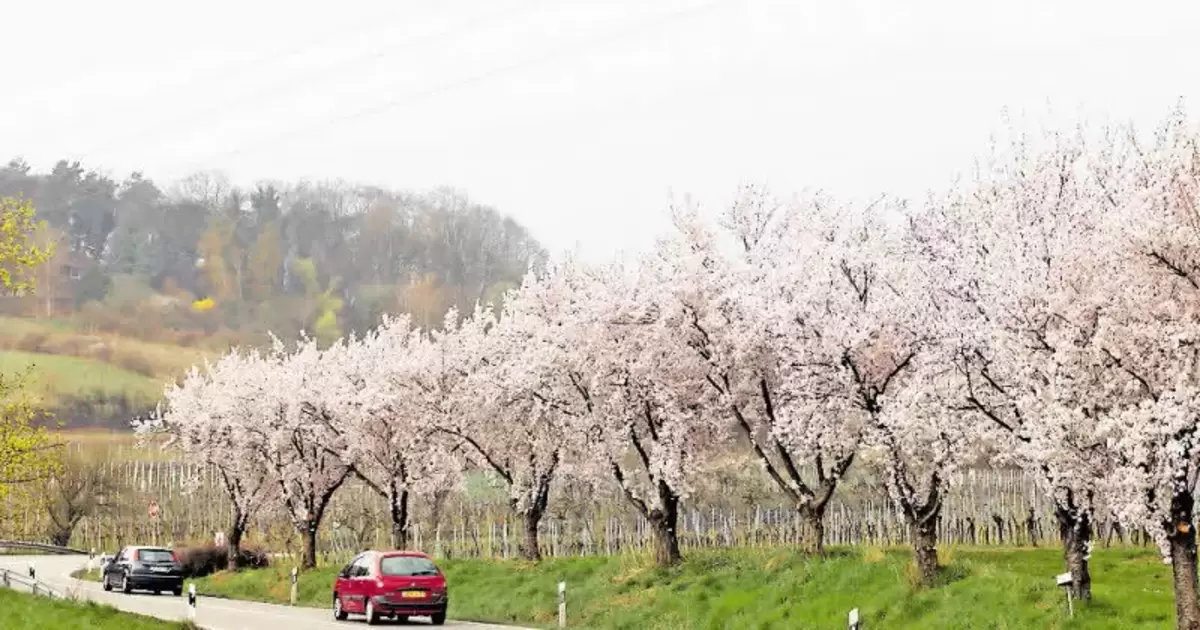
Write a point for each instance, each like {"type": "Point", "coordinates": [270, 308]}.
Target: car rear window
{"type": "Point", "coordinates": [407, 565]}
{"type": "Point", "coordinates": [155, 555]}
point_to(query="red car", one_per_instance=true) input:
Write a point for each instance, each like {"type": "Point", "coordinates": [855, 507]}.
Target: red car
{"type": "Point", "coordinates": [393, 584]}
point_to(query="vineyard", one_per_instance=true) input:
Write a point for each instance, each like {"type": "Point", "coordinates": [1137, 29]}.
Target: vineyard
{"type": "Point", "coordinates": [735, 509]}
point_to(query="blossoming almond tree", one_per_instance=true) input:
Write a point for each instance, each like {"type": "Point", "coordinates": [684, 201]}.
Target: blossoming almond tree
{"type": "Point", "coordinates": [782, 325]}
{"type": "Point", "coordinates": [1148, 335]}
{"type": "Point", "coordinates": [644, 424]}
{"type": "Point", "coordinates": [206, 417]}
{"type": "Point", "coordinates": [475, 389]}
{"type": "Point", "coordinates": [1013, 256]}
{"type": "Point", "coordinates": [393, 446]}
{"type": "Point", "coordinates": [295, 397]}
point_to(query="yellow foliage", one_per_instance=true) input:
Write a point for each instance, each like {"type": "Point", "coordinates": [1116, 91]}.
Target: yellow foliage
{"type": "Point", "coordinates": [27, 453]}
{"type": "Point", "coordinates": [18, 255]}
{"type": "Point", "coordinates": [204, 305]}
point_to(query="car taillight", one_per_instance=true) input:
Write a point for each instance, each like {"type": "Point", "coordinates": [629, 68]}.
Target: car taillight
{"type": "Point", "coordinates": [174, 558]}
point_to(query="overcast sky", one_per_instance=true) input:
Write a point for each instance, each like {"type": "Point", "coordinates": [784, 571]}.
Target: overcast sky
{"type": "Point", "coordinates": [580, 118]}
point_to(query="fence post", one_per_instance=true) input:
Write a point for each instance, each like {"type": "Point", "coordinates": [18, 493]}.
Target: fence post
{"type": "Point", "coordinates": [562, 604]}
{"type": "Point", "coordinates": [191, 602]}
{"type": "Point", "coordinates": [295, 572]}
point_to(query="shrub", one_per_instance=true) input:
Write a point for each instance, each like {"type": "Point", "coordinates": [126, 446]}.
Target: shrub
{"type": "Point", "coordinates": [202, 560]}
{"type": "Point", "coordinates": [32, 342]}
{"type": "Point", "coordinates": [134, 362]}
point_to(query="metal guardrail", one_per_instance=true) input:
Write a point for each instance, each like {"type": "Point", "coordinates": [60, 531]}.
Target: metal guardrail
{"type": "Point", "coordinates": [8, 578]}
{"type": "Point", "coordinates": [36, 546]}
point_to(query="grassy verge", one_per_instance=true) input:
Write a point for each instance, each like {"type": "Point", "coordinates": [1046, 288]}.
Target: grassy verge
{"type": "Point", "coordinates": [21, 611]}
{"type": "Point", "coordinates": [1000, 588]}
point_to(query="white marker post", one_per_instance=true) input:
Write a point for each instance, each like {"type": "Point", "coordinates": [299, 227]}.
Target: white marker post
{"type": "Point", "coordinates": [91, 560]}
{"type": "Point", "coordinates": [295, 574]}
{"type": "Point", "coordinates": [562, 604]}
{"type": "Point", "coordinates": [191, 602]}
{"type": "Point", "coordinates": [855, 624]}
{"type": "Point", "coordinates": [1065, 580]}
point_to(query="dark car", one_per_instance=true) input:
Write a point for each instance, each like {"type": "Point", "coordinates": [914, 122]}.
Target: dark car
{"type": "Point", "coordinates": [394, 584]}
{"type": "Point", "coordinates": [144, 569]}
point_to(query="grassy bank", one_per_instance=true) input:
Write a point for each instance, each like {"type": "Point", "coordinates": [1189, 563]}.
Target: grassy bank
{"type": "Point", "coordinates": [1007, 588]}
{"type": "Point", "coordinates": [21, 611]}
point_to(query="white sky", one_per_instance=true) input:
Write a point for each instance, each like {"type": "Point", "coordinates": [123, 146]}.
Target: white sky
{"type": "Point", "coordinates": [578, 117]}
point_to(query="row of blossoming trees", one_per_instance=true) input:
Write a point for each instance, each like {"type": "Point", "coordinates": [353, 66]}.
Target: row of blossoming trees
{"type": "Point", "coordinates": [1044, 314]}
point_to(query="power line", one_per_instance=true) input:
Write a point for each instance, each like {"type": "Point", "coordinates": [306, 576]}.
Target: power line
{"type": "Point", "coordinates": [555, 54]}
{"type": "Point", "coordinates": [634, 27]}
{"type": "Point", "coordinates": [292, 48]}
{"type": "Point", "coordinates": [276, 88]}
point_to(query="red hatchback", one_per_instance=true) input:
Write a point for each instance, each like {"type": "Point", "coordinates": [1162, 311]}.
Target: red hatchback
{"type": "Point", "coordinates": [393, 584]}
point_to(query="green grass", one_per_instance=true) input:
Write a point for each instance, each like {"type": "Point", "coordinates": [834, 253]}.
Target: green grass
{"type": "Point", "coordinates": [57, 375]}
{"type": "Point", "coordinates": [21, 611]}
{"type": "Point", "coordinates": [1004, 588]}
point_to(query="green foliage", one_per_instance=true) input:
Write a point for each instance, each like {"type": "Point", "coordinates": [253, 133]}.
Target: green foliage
{"type": "Point", "coordinates": [776, 588]}
{"type": "Point", "coordinates": [20, 611]}
{"type": "Point", "coordinates": [19, 256]}
{"type": "Point", "coordinates": [27, 452]}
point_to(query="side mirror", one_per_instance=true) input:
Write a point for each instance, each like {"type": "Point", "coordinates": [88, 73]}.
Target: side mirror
{"type": "Point", "coordinates": [345, 573]}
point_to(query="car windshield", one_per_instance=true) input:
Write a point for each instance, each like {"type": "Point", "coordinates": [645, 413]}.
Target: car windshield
{"type": "Point", "coordinates": [407, 565]}
{"type": "Point", "coordinates": [155, 555]}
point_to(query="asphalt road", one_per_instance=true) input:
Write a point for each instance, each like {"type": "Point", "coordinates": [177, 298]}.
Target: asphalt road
{"type": "Point", "coordinates": [213, 614]}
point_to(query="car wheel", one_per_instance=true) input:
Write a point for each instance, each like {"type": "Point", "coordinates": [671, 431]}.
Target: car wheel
{"type": "Point", "coordinates": [338, 613]}
{"type": "Point", "coordinates": [126, 587]}
{"type": "Point", "coordinates": [104, 583]}
{"type": "Point", "coordinates": [372, 615]}
{"type": "Point", "coordinates": [439, 619]}
{"type": "Point", "coordinates": [177, 591]}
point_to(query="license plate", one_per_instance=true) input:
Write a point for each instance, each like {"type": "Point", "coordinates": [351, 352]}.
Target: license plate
{"type": "Point", "coordinates": [412, 594]}
{"type": "Point", "coordinates": [160, 569]}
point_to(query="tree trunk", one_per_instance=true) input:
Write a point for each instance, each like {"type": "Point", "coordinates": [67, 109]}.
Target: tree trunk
{"type": "Point", "coordinates": [308, 557]}
{"type": "Point", "coordinates": [665, 525]}
{"type": "Point", "coordinates": [923, 531]}
{"type": "Point", "coordinates": [61, 537]}
{"type": "Point", "coordinates": [530, 546]}
{"type": "Point", "coordinates": [1075, 529]}
{"type": "Point", "coordinates": [399, 512]}
{"type": "Point", "coordinates": [233, 544]}
{"type": "Point", "coordinates": [812, 529]}
{"type": "Point", "coordinates": [1182, 537]}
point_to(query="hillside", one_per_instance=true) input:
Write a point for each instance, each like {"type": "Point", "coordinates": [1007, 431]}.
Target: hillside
{"type": "Point", "coordinates": [90, 379]}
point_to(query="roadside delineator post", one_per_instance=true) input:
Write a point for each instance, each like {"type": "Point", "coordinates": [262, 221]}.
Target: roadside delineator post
{"type": "Point", "coordinates": [562, 604]}
{"type": "Point", "coordinates": [295, 575]}
{"type": "Point", "coordinates": [32, 572]}
{"type": "Point", "coordinates": [191, 602]}
{"type": "Point", "coordinates": [855, 624]}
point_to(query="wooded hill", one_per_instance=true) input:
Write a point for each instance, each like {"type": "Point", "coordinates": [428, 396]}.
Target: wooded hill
{"type": "Point", "coordinates": [204, 257]}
